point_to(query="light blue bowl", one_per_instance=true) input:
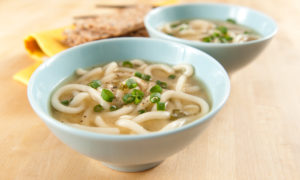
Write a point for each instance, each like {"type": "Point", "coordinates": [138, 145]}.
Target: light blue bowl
{"type": "Point", "coordinates": [126, 152]}
{"type": "Point", "coordinates": [231, 56]}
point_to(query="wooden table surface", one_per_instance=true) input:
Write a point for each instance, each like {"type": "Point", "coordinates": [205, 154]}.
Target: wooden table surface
{"type": "Point", "coordinates": [255, 136]}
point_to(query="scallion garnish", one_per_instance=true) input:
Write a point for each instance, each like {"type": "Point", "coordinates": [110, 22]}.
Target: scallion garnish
{"type": "Point", "coordinates": [65, 102]}
{"type": "Point", "coordinates": [215, 34]}
{"type": "Point", "coordinates": [224, 39]}
{"type": "Point", "coordinates": [98, 108]}
{"type": "Point", "coordinates": [162, 84]}
{"type": "Point", "coordinates": [231, 20]}
{"type": "Point", "coordinates": [161, 106]}
{"type": "Point", "coordinates": [155, 97]}
{"type": "Point", "coordinates": [138, 95]}
{"type": "Point", "coordinates": [138, 74]}
{"type": "Point", "coordinates": [136, 92]}
{"type": "Point", "coordinates": [130, 83]}
{"type": "Point", "coordinates": [206, 39]}
{"type": "Point", "coordinates": [228, 38]}
{"type": "Point", "coordinates": [172, 76]}
{"type": "Point", "coordinates": [146, 77]}
{"type": "Point", "coordinates": [155, 89]}
{"type": "Point", "coordinates": [181, 28]}
{"type": "Point", "coordinates": [141, 111]}
{"type": "Point", "coordinates": [128, 98]}
{"type": "Point", "coordinates": [113, 108]}
{"type": "Point", "coordinates": [107, 95]}
{"type": "Point", "coordinates": [222, 29]}
{"type": "Point", "coordinates": [94, 84]}
{"type": "Point", "coordinates": [175, 25]}
{"type": "Point", "coordinates": [138, 99]}
{"type": "Point", "coordinates": [127, 64]}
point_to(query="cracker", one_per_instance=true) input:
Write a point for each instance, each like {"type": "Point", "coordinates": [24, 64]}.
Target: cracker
{"type": "Point", "coordinates": [125, 22]}
{"type": "Point", "coordinates": [138, 33]}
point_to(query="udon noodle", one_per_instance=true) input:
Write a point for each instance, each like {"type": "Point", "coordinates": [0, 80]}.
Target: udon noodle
{"type": "Point", "coordinates": [210, 31]}
{"type": "Point", "coordinates": [131, 97]}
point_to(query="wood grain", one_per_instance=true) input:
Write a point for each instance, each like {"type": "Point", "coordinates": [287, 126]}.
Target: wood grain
{"type": "Point", "coordinates": [256, 136]}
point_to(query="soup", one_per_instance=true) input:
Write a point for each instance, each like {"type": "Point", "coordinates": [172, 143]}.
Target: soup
{"type": "Point", "coordinates": [131, 97]}
{"type": "Point", "coordinates": [210, 31]}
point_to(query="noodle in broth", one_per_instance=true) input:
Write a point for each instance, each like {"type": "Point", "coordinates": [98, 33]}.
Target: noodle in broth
{"type": "Point", "coordinates": [131, 97]}
{"type": "Point", "coordinates": [210, 31]}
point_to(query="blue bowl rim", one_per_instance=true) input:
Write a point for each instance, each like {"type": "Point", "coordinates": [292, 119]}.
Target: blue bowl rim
{"type": "Point", "coordinates": [46, 117]}
{"type": "Point", "coordinates": [150, 28]}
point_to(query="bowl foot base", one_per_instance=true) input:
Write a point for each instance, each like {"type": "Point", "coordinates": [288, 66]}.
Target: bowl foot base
{"type": "Point", "coordinates": [132, 168]}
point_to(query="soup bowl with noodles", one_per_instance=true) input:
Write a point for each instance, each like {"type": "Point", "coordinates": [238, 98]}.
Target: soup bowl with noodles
{"type": "Point", "coordinates": [234, 35]}
{"type": "Point", "coordinates": [128, 102]}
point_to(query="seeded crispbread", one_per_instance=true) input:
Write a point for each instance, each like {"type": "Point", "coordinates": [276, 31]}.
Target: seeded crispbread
{"type": "Point", "coordinates": [125, 22]}
{"type": "Point", "coordinates": [138, 33]}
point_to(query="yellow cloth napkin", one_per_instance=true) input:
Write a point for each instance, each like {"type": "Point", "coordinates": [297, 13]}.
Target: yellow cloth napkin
{"type": "Point", "coordinates": [42, 45]}
{"type": "Point", "coordinates": [45, 43]}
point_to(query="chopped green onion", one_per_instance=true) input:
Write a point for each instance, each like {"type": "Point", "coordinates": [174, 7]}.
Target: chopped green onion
{"type": "Point", "coordinates": [155, 89]}
{"type": "Point", "coordinates": [113, 108]}
{"type": "Point", "coordinates": [162, 84]}
{"type": "Point", "coordinates": [172, 76]}
{"type": "Point", "coordinates": [146, 77]}
{"type": "Point", "coordinates": [130, 83]}
{"type": "Point", "coordinates": [231, 20]}
{"type": "Point", "coordinates": [215, 34]}
{"type": "Point", "coordinates": [136, 92]}
{"type": "Point", "coordinates": [138, 95]}
{"type": "Point", "coordinates": [127, 64]}
{"type": "Point", "coordinates": [138, 74]}
{"type": "Point", "coordinates": [225, 39]}
{"type": "Point", "coordinates": [65, 102]}
{"type": "Point", "coordinates": [175, 25]}
{"type": "Point", "coordinates": [141, 111]}
{"type": "Point", "coordinates": [181, 28]}
{"type": "Point", "coordinates": [222, 29]}
{"type": "Point", "coordinates": [138, 99]}
{"type": "Point", "coordinates": [155, 97]}
{"type": "Point", "coordinates": [206, 39]}
{"type": "Point", "coordinates": [107, 95]}
{"type": "Point", "coordinates": [222, 39]}
{"type": "Point", "coordinates": [98, 108]}
{"type": "Point", "coordinates": [161, 106]}
{"type": "Point", "coordinates": [229, 38]}
{"type": "Point", "coordinates": [128, 98]}
{"type": "Point", "coordinates": [94, 84]}
{"type": "Point", "coordinates": [246, 32]}
{"type": "Point", "coordinates": [170, 34]}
